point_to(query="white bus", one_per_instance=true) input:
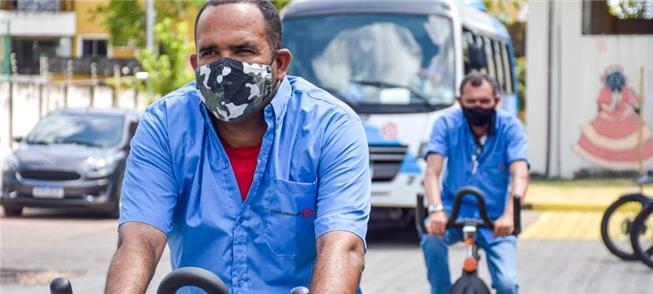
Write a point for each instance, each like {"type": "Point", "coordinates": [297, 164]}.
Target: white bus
{"type": "Point", "coordinates": [397, 64]}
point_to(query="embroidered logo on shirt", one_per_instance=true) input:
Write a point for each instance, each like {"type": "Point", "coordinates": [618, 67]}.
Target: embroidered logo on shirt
{"type": "Point", "coordinates": [306, 212]}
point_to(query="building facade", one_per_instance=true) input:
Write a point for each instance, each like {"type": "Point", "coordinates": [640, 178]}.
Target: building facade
{"type": "Point", "coordinates": [589, 89]}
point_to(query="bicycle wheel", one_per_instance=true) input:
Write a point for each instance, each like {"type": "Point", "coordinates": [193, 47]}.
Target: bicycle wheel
{"type": "Point", "coordinates": [641, 235]}
{"type": "Point", "coordinates": [617, 222]}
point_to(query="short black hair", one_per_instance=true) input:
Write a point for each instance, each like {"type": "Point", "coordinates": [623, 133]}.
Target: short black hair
{"type": "Point", "coordinates": [270, 16]}
{"type": "Point", "coordinates": [476, 80]}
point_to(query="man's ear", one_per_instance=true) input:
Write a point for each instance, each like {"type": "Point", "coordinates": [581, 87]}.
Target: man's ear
{"type": "Point", "coordinates": [497, 99]}
{"type": "Point", "coordinates": [283, 61]}
{"type": "Point", "coordinates": [193, 61]}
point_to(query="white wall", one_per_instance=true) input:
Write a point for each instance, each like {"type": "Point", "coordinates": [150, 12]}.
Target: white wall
{"type": "Point", "coordinates": [536, 81]}
{"type": "Point", "coordinates": [31, 100]}
{"type": "Point", "coordinates": [578, 63]}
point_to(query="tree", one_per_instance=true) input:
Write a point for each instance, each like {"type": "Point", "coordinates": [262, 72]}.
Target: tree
{"type": "Point", "coordinates": [167, 65]}
{"type": "Point", "coordinates": [168, 69]}
{"type": "Point", "coordinates": [630, 9]}
{"type": "Point", "coordinates": [125, 22]}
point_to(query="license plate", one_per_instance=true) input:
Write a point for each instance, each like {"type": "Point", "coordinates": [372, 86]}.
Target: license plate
{"type": "Point", "coordinates": [48, 192]}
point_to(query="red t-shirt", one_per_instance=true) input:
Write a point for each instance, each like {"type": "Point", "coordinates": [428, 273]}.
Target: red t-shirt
{"type": "Point", "coordinates": [243, 163]}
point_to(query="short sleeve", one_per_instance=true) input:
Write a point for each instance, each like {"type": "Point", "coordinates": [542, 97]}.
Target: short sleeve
{"type": "Point", "coordinates": [438, 140]}
{"type": "Point", "coordinates": [343, 199]}
{"type": "Point", "coordinates": [149, 190]}
{"type": "Point", "coordinates": [517, 146]}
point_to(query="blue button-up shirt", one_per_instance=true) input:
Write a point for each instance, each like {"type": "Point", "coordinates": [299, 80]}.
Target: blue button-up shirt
{"type": "Point", "coordinates": [488, 170]}
{"type": "Point", "coordinates": [311, 178]}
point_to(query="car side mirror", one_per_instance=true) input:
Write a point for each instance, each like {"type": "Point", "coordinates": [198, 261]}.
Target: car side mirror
{"type": "Point", "coordinates": [18, 139]}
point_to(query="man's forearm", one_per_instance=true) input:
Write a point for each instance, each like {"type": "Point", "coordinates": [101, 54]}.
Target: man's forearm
{"type": "Point", "coordinates": [338, 268]}
{"type": "Point", "coordinates": [432, 179]}
{"type": "Point", "coordinates": [519, 176]}
{"type": "Point", "coordinates": [131, 270]}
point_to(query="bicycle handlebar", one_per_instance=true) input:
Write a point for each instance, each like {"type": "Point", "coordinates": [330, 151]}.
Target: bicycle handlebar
{"type": "Point", "coordinates": [453, 221]}
{"type": "Point", "coordinates": [185, 276]}
{"type": "Point", "coordinates": [485, 219]}
{"type": "Point", "coordinates": [192, 276]}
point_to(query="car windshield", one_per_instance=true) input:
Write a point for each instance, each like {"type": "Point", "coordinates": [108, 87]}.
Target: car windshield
{"type": "Point", "coordinates": [376, 59]}
{"type": "Point", "coordinates": [88, 129]}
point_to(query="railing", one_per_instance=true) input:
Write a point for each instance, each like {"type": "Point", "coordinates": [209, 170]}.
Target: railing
{"type": "Point", "coordinates": [38, 5]}
{"type": "Point", "coordinates": [103, 66]}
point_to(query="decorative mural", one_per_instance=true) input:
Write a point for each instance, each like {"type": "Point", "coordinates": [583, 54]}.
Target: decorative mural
{"type": "Point", "coordinates": [617, 138]}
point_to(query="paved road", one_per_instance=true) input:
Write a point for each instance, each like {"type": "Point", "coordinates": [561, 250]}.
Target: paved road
{"type": "Point", "coordinates": [559, 253]}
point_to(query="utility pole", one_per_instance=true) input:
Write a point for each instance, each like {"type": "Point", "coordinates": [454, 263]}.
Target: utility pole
{"type": "Point", "coordinates": [14, 69]}
{"type": "Point", "coordinates": [68, 75]}
{"type": "Point", "coordinates": [93, 83]}
{"type": "Point", "coordinates": [149, 24]}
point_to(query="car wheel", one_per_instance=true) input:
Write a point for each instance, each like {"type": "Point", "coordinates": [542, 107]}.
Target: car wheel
{"type": "Point", "coordinates": [12, 211]}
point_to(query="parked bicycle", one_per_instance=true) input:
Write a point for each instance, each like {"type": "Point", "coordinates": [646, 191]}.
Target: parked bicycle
{"type": "Point", "coordinates": [469, 282]}
{"type": "Point", "coordinates": [181, 277]}
{"type": "Point", "coordinates": [618, 221]}
{"type": "Point", "coordinates": [641, 233]}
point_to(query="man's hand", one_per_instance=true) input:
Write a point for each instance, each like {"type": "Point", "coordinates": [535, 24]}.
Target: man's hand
{"type": "Point", "coordinates": [437, 223]}
{"type": "Point", "coordinates": [504, 225]}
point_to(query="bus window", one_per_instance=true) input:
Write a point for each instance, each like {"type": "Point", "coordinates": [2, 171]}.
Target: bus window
{"type": "Point", "coordinates": [467, 40]}
{"type": "Point", "coordinates": [474, 54]}
{"type": "Point", "coordinates": [487, 46]}
{"type": "Point", "coordinates": [506, 65]}
{"type": "Point", "coordinates": [496, 49]}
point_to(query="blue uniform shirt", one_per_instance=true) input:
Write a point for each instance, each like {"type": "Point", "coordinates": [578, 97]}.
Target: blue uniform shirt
{"type": "Point", "coordinates": [506, 143]}
{"type": "Point", "coordinates": [311, 178]}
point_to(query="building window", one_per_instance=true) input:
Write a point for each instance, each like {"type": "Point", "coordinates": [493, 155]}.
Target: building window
{"type": "Point", "coordinates": [598, 19]}
{"type": "Point", "coordinates": [94, 47]}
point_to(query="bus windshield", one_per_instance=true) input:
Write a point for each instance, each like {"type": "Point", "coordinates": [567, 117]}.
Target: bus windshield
{"type": "Point", "coordinates": [376, 61]}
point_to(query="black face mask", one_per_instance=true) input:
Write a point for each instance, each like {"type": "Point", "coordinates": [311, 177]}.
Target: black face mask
{"type": "Point", "coordinates": [479, 116]}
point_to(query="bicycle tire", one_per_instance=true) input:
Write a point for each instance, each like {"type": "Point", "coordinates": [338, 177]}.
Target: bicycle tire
{"type": "Point", "coordinates": [639, 229]}
{"type": "Point", "coordinates": [629, 255]}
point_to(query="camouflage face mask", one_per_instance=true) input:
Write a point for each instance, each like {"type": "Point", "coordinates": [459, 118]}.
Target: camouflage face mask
{"type": "Point", "coordinates": [231, 89]}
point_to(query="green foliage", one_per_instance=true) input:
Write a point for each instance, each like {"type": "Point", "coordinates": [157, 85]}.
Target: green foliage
{"type": "Point", "coordinates": [521, 81]}
{"type": "Point", "coordinates": [506, 11]}
{"type": "Point", "coordinates": [627, 9]}
{"type": "Point", "coordinates": [168, 70]}
{"type": "Point", "coordinates": [125, 22]}
{"type": "Point", "coordinates": [279, 4]}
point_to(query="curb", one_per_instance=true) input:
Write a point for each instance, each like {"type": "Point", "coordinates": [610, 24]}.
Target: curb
{"type": "Point", "coordinates": [587, 207]}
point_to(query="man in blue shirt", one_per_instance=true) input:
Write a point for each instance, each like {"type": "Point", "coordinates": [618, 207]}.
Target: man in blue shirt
{"type": "Point", "coordinates": [298, 217]}
{"type": "Point", "coordinates": [485, 147]}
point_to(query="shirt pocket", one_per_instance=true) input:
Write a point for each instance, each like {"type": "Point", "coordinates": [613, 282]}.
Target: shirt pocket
{"type": "Point", "coordinates": [290, 216]}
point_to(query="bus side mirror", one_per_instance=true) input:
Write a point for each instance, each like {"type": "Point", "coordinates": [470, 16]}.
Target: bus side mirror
{"type": "Point", "coordinates": [18, 139]}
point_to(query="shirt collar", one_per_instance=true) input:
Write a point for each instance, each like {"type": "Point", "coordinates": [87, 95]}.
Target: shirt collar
{"type": "Point", "coordinates": [280, 99]}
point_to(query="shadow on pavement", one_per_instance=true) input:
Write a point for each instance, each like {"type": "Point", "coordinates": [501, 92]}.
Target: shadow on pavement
{"type": "Point", "coordinates": [58, 213]}
{"type": "Point", "coordinates": [380, 234]}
